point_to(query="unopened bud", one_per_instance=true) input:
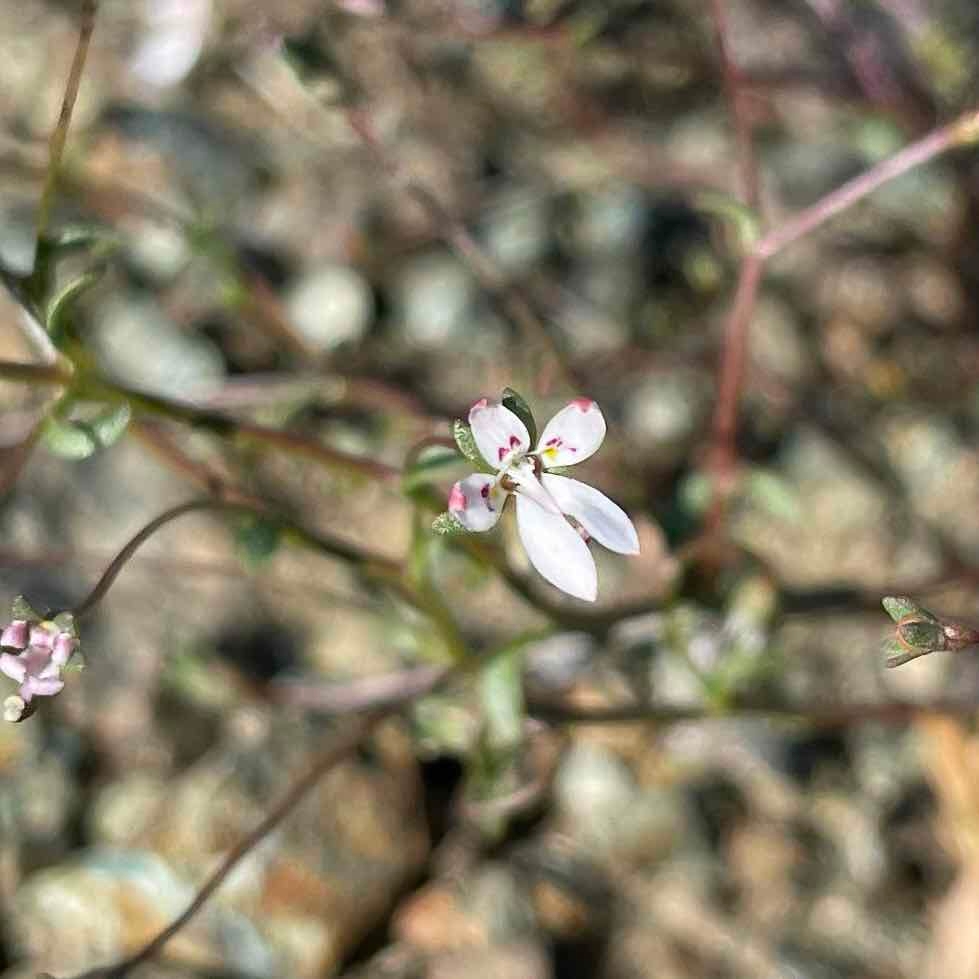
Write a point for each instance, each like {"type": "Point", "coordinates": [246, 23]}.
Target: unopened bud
{"type": "Point", "coordinates": [16, 709]}
{"type": "Point", "coordinates": [15, 635]}
{"type": "Point", "coordinates": [922, 634]}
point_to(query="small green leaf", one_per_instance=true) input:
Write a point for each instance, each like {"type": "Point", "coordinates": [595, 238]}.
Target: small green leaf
{"type": "Point", "coordinates": [80, 435]}
{"type": "Point", "coordinates": [67, 439]}
{"type": "Point", "coordinates": [21, 609]}
{"type": "Point", "coordinates": [110, 424]}
{"type": "Point", "coordinates": [65, 621]}
{"type": "Point", "coordinates": [902, 608]}
{"type": "Point", "coordinates": [897, 654]}
{"type": "Point", "coordinates": [463, 436]}
{"type": "Point", "coordinates": [501, 695]}
{"type": "Point", "coordinates": [516, 404]}
{"type": "Point", "coordinates": [258, 539]}
{"type": "Point", "coordinates": [445, 524]}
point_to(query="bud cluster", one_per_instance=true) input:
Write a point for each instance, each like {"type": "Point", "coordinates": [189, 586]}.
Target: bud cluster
{"type": "Point", "coordinates": [34, 652]}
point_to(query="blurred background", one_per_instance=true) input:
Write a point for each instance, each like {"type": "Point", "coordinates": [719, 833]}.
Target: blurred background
{"type": "Point", "coordinates": [350, 220]}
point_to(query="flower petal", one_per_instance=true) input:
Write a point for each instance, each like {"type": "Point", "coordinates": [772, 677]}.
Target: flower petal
{"type": "Point", "coordinates": [36, 660]}
{"type": "Point", "coordinates": [43, 635]}
{"type": "Point", "coordinates": [555, 550]}
{"type": "Point", "coordinates": [13, 667]}
{"type": "Point", "coordinates": [41, 687]}
{"type": "Point", "coordinates": [604, 520]}
{"type": "Point", "coordinates": [64, 646]}
{"type": "Point", "coordinates": [529, 485]}
{"type": "Point", "coordinates": [498, 432]}
{"type": "Point", "coordinates": [477, 501]}
{"type": "Point", "coordinates": [15, 635]}
{"type": "Point", "coordinates": [573, 434]}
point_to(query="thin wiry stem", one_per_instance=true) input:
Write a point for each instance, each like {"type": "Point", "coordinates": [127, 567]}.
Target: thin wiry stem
{"type": "Point", "coordinates": [145, 403]}
{"type": "Point", "coordinates": [747, 160]}
{"type": "Point", "coordinates": [314, 541]}
{"type": "Point", "coordinates": [56, 146]}
{"type": "Point", "coordinates": [963, 131]}
{"type": "Point", "coordinates": [335, 753]}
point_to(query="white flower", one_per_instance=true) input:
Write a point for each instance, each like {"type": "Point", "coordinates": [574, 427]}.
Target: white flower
{"type": "Point", "coordinates": [544, 500]}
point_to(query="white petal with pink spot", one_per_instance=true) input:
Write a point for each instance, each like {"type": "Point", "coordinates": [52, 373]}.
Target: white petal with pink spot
{"type": "Point", "coordinates": [572, 435]}
{"type": "Point", "coordinates": [476, 502]}
{"type": "Point", "coordinates": [499, 434]}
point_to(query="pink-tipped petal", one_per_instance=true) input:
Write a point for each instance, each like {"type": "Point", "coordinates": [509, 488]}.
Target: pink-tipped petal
{"type": "Point", "coordinates": [15, 635]}
{"type": "Point", "coordinates": [573, 434]}
{"type": "Point", "coordinates": [602, 519]}
{"type": "Point", "coordinates": [556, 551]}
{"type": "Point", "coordinates": [64, 646]}
{"type": "Point", "coordinates": [40, 687]}
{"type": "Point", "coordinates": [476, 501]}
{"type": "Point", "coordinates": [499, 434]}
{"type": "Point", "coordinates": [13, 666]}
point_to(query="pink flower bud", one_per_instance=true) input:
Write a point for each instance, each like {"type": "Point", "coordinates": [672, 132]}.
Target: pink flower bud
{"type": "Point", "coordinates": [15, 635]}
{"type": "Point", "coordinates": [64, 646]}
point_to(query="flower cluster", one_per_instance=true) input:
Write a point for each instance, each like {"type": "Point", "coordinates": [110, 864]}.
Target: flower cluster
{"type": "Point", "coordinates": [35, 654]}
{"type": "Point", "coordinates": [556, 515]}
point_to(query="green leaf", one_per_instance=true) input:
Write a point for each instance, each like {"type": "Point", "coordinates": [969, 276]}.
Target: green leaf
{"type": "Point", "coordinates": [65, 621]}
{"type": "Point", "coordinates": [501, 696]}
{"type": "Point", "coordinates": [902, 608]}
{"type": "Point", "coordinates": [257, 539]}
{"type": "Point", "coordinates": [463, 436]}
{"type": "Point", "coordinates": [516, 404]}
{"type": "Point", "coordinates": [429, 465]}
{"type": "Point", "coordinates": [110, 424]}
{"type": "Point", "coordinates": [21, 609]}
{"type": "Point", "coordinates": [79, 437]}
{"type": "Point", "coordinates": [68, 440]}
{"type": "Point", "coordinates": [897, 654]}
{"type": "Point", "coordinates": [445, 524]}
{"type": "Point", "coordinates": [773, 494]}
